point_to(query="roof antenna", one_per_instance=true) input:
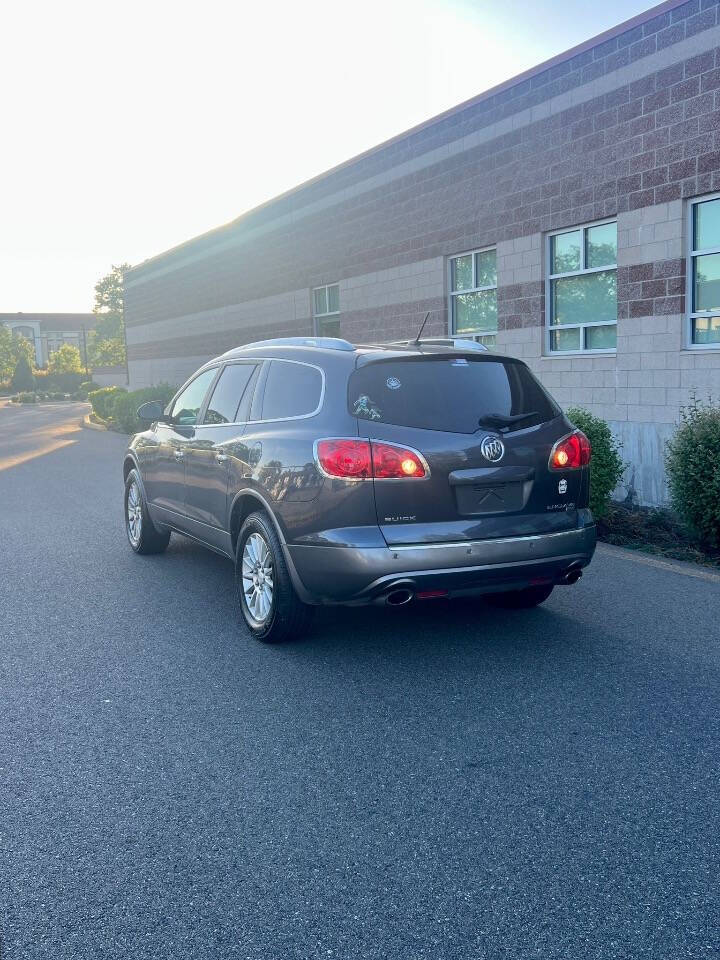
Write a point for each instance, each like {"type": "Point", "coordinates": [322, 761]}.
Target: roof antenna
{"type": "Point", "coordinates": [422, 327]}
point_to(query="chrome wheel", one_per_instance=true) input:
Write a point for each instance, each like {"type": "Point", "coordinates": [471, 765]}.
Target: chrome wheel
{"type": "Point", "coordinates": [134, 514]}
{"type": "Point", "coordinates": [257, 577]}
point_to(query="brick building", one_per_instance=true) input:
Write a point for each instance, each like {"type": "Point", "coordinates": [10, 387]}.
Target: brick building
{"type": "Point", "coordinates": [570, 216]}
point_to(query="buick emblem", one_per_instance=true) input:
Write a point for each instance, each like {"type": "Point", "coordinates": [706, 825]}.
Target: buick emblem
{"type": "Point", "coordinates": [492, 448]}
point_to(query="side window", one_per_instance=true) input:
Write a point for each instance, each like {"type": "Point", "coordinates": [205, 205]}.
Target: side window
{"type": "Point", "coordinates": [291, 390]}
{"type": "Point", "coordinates": [186, 408]}
{"type": "Point", "coordinates": [229, 392]}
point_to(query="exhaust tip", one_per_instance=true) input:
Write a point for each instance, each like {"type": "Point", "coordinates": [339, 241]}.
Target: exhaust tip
{"type": "Point", "coordinates": [398, 598]}
{"type": "Point", "coordinates": [571, 576]}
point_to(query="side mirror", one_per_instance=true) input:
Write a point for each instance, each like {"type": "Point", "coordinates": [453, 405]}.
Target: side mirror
{"type": "Point", "coordinates": [151, 411]}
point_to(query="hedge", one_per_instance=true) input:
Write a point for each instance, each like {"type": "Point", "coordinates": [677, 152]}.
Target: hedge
{"type": "Point", "coordinates": [606, 466]}
{"type": "Point", "coordinates": [125, 405]}
{"type": "Point", "coordinates": [102, 400]}
{"type": "Point", "coordinates": [692, 460]}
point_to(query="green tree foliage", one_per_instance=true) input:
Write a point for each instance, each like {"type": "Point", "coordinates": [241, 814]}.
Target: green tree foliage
{"type": "Point", "coordinates": [606, 466]}
{"type": "Point", "coordinates": [692, 460]}
{"type": "Point", "coordinates": [12, 347]}
{"type": "Point", "coordinates": [22, 378]}
{"type": "Point", "coordinates": [106, 344]}
{"type": "Point", "coordinates": [66, 360]}
{"type": "Point", "coordinates": [125, 405]}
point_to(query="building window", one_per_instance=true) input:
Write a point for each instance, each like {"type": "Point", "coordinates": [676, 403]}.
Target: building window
{"type": "Point", "coordinates": [582, 289]}
{"type": "Point", "coordinates": [704, 273]}
{"type": "Point", "coordinates": [326, 310]}
{"type": "Point", "coordinates": [473, 295]}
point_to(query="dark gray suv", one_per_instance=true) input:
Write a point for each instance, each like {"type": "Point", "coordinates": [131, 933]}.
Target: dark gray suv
{"type": "Point", "coordinates": [339, 474]}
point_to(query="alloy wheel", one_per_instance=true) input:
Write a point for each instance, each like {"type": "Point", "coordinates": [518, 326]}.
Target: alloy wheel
{"type": "Point", "coordinates": [134, 514]}
{"type": "Point", "coordinates": [257, 577]}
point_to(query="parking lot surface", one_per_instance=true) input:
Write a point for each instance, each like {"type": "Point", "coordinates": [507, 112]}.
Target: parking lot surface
{"type": "Point", "coordinates": [441, 781]}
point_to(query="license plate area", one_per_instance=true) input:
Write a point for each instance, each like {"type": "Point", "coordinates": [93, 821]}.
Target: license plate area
{"type": "Point", "coordinates": [476, 499]}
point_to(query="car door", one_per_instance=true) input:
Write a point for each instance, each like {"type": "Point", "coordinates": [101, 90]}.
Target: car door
{"type": "Point", "coordinates": [216, 440]}
{"type": "Point", "coordinates": [165, 483]}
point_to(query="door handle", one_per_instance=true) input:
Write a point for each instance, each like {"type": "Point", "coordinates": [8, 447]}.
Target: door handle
{"type": "Point", "coordinates": [221, 457]}
{"type": "Point", "coordinates": [179, 455]}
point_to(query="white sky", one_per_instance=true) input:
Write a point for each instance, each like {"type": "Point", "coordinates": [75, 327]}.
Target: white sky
{"type": "Point", "coordinates": [128, 127]}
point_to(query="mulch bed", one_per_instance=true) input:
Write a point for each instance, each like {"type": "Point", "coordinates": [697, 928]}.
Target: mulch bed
{"type": "Point", "coordinates": [655, 531]}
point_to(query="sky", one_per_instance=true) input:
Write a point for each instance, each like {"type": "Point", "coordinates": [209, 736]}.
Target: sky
{"type": "Point", "coordinates": [129, 127]}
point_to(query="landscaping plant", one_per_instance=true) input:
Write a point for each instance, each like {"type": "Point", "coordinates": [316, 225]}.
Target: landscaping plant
{"type": "Point", "coordinates": [606, 466]}
{"type": "Point", "coordinates": [22, 378]}
{"type": "Point", "coordinates": [102, 400]}
{"type": "Point", "coordinates": [692, 461]}
{"type": "Point", "coordinates": [125, 405]}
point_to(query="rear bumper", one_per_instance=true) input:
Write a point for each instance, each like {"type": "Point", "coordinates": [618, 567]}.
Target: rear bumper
{"type": "Point", "coordinates": [359, 575]}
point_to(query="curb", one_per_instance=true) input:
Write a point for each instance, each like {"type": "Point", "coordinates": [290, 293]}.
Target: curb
{"type": "Point", "coordinates": [683, 567]}
{"type": "Point", "coordinates": [87, 422]}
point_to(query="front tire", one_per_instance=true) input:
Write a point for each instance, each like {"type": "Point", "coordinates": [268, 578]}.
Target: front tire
{"type": "Point", "coordinates": [520, 599]}
{"type": "Point", "coordinates": [270, 607]}
{"type": "Point", "coordinates": [143, 536]}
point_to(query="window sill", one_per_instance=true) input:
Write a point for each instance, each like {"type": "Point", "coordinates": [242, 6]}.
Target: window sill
{"type": "Point", "coordinates": [578, 353]}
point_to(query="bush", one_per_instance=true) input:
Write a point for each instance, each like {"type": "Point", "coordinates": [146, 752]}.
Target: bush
{"type": "Point", "coordinates": [66, 359]}
{"type": "Point", "coordinates": [85, 388]}
{"type": "Point", "coordinates": [22, 378]}
{"type": "Point", "coordinates": [125, 405]}
{"type": "Point", "coordinates": [692, 460]}
{"type": "Point", "coordinates": [606, 466]}
{"type": "Point", "coordinates": [26, 398]}
{"type": "Point", "coordinates": [59, 382]}
{"type": "Point", "coordinates": [102, 400]}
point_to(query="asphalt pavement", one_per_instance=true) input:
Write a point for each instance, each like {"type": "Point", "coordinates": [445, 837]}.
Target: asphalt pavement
{"type": "Point", "coordinates": [441, 781]}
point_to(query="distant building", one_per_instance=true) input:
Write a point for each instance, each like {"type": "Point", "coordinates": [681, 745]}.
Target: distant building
{"type": "Point", "coordinates": [570, 217]}
{"type": "Point", "coordinates": [49, 331]}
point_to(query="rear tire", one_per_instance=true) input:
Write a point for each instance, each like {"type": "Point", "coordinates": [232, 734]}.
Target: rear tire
{"type": "Point", "coordinates": [143, 536]}
{"type": "Point", "coordinates": [520, 599]}
{"type": "Point", "coordinates": [272, 610]}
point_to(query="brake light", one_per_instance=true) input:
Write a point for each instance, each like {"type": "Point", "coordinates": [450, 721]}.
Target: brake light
{"type": "Point", "coordinates": [354, 459]}
{"type": "Point", "coordinates": [571, 452]}
{"type": "Point", "coordinates": [347, 459]}
{"type": "Point", "coordinates": [395, 463]}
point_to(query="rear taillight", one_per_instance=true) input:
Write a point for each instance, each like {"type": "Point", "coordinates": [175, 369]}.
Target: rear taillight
{"type": "Point", "coordinates": [396, 463]}
{"type": "Point", "coordinates": [350, 459]}
{"type": "Point", "coordinates": [347, 459]}
{"type": "Point", "coordinates": [571, 452]}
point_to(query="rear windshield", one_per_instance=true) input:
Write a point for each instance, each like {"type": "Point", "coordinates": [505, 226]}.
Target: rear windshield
{"type": "Point", "coordinates": [456, 394]}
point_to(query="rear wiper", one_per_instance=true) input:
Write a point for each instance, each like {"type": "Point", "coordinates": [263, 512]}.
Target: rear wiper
{"type": "Point", "coordinates": [502, 420]}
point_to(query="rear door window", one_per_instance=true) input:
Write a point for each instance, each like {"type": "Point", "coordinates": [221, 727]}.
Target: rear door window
{"type": "Point", "coordinates": [291, 390]}
{"type": "Point", "coordinates": [455, 394]}
{"type": "Point", "coordinates": [229, 392]}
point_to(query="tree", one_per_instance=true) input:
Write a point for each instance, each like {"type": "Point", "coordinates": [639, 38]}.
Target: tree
{"type": "Point", "coordinates": [106, 344]}
{"type": "Point", "coordinates": [22, 379]}
{"type": "Point", "coordinates": [12, 347]}
{"type": "Point", "coordinates": [66, 360]}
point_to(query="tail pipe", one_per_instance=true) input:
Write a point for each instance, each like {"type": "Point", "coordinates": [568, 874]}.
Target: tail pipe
{"type": "Point", "coordinates": [398, 598]}
{"type": "Point", "coordinates": [571, 575]}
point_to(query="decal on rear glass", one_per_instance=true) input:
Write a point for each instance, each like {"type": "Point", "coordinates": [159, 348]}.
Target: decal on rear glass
{"type": "Point", "coordinates": [366, 408]}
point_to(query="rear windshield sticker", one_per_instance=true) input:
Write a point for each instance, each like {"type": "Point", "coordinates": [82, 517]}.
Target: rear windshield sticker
{"type": "Point", "coordinates": [393, 383]}
{"type": "Point", "coordinates": [365, 407]}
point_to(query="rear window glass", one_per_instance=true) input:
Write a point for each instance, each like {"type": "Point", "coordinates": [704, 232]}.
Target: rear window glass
{"type": "Point", "coordinates": [291, 390]}
{"type": "Point", "coordinates": [455, 394]}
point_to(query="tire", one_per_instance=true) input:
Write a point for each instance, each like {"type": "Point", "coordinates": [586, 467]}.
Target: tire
{"type": "Point", "coordinates": [272, 610]}
{"type": "Point", "coordinates": [520, 599]}
{"type": "Point", "coordinates": [143, 536]}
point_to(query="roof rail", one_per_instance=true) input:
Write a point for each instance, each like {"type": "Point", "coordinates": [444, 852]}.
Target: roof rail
{"type": "Point", "coordinates": [323, 343]}
{"type": "Point", "coordinates": [459, 343]}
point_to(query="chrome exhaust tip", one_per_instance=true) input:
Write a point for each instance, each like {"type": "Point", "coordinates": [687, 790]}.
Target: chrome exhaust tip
{"type": "Point", "coordinates": [398, 598]}
{"type": "Point", "coordinates": [571, 576]}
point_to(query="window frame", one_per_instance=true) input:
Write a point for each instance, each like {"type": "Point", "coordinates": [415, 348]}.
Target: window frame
{"type": "Point", "coordinates": [477, 336]}
{"type": "Point", "coordinates": [584, 271]}
{"type": "Point", "coordinates": [261, 383]}
{"type": "Point", "coordinates": [329, 313]}
{"type": "Point", "coordinates": [692, 255]}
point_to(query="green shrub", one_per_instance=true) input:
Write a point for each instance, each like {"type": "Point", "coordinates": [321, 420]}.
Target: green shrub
{"type": "Point", "coordinates": [606, 466]}
{"type": "Point", "coordinates": [85, 388]}
{"type": "Point", "coordinates": [102, 400]}
{"type": "Point", "coordinates": [125, 405]}
{"type": "Point", "coordinates": [692, 460]}
{"type": "Point", "coordinates": [26, 398]}
{"type": "Point", "coordinates": [22, 378]}
{"type": "Point", "coordinates": [59, 382]}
